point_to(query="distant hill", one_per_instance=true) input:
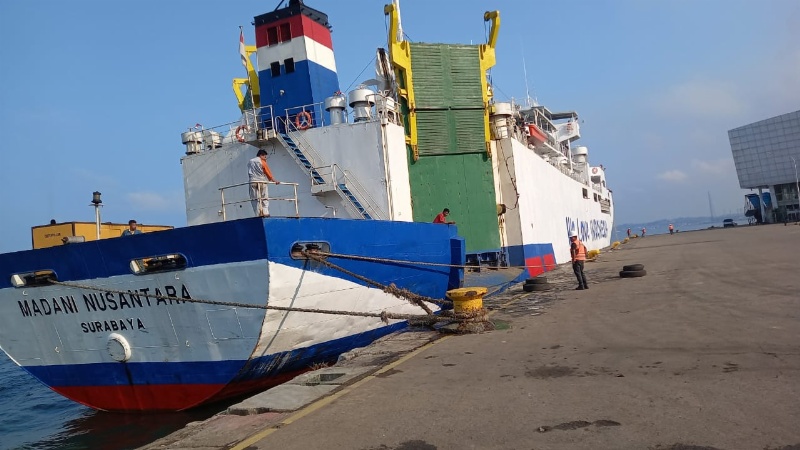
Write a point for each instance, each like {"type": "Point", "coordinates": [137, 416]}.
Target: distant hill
{"type": "Point", "coordinates": [681, 224]}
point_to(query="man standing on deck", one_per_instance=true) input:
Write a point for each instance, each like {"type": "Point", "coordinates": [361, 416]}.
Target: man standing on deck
{"type": "Point", "coordinates": [131, 229]}
{"type": "Point", "coordinates": [671, 229]}
{"type": "Point", "coordinates": [578, 252]}
{"type": "Point", "coordinates": [259, 173]}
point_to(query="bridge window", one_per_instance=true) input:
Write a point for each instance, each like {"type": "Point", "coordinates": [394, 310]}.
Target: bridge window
{"type": "Point", "coordinates": [272, 36]}
{"type": "Point", "coordinates": [275, 68]}
{"type": "Point", "coordinates": [289, 65]}
{"type": "Point", "coordinates": [585, 193]}
{"type": "Point", "coordinates": [285, 32]}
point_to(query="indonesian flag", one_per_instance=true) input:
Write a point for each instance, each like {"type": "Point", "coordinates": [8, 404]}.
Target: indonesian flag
{"type": "Point", "coordinates": [241, 47]}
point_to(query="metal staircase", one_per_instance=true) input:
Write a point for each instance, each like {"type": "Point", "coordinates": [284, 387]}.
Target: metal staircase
{"type": "Point", "coordinates": [328, 178]}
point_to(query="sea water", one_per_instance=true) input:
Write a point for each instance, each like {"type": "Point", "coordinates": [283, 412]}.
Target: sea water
{"type": "Point", "coordinates": [35, 417]}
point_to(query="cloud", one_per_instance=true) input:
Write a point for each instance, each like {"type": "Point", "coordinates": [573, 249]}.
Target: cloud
{"type": "Point", "coordinates": [673, 175]}
{"type": "Point", "coordinates": [712, 167]}
{"type": "Point", "coordinates": [700, 98]}
{"type": "Point", "coordinates": [151, 201]}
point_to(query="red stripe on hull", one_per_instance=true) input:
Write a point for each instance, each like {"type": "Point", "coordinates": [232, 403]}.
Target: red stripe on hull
{"type": "Point", "coordinates": [549, 262]}
{"type": "Point", "coordinates": [534, 265]}
{"type": "Point", "coordinates": [538, 265]}
{"type": "Point", "coordinates": [299, 26]}
{"type": "Point", "coordinates": [164, 397]}
{"type": "Point", "coordinates": [160, 397]}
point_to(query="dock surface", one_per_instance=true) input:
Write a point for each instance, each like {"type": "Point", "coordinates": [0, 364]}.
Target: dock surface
{"type": "Point", "coordinates": [701, 353]}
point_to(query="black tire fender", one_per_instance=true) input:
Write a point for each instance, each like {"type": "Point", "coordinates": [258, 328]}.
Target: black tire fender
{"type": "Point", "coordinates": [633, 267]}
{"type": "Point", "coordinates": [537, 287]}
{"type": "Point", "coordinates": [536, 280]}
{"type": "Point", "coordinates": [632, 273]}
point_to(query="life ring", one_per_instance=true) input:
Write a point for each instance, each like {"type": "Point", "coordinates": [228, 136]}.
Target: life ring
{"type": "Point", "coordinates": [240, 130]}
{"type": "Point", "coordinates": [594, 169]}
{"type": "Point", "coordinates": [303, 120]}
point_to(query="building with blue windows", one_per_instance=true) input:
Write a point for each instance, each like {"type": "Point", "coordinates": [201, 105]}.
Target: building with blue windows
{"type": "Point", "coordinates": [766, 154]}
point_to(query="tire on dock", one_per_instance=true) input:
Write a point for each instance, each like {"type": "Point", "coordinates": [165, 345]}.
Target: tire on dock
{"type": "Point", "coordinates": [537, 287]}
{"type": "Point", "coordinates": [632, 273]}
{"type": "Point", "coordinates": [633, 267]}
{"type": "Point", "coordinates": [536, 280]}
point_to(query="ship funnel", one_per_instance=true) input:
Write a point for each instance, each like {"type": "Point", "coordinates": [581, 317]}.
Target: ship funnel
{"type": "Point", "coordinates": [361, 100]}
{"type": "Point", "coordinates": [337, 107]}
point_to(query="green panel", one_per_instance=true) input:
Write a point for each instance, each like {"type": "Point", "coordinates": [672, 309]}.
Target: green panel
{"type": "Point", "coordinates": [446, 76]}
{"type": "Point", "coordinates": [441, 132]}
{"type": "Point", "coordinates": [463, 183]}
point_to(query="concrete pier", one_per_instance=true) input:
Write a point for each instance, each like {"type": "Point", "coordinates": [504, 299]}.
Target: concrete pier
{"type": "Point", "coordinates": [701, 353]}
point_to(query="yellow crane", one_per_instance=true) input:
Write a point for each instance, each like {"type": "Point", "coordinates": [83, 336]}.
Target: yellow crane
{"type": "Point", "coordinates": [250, 83]}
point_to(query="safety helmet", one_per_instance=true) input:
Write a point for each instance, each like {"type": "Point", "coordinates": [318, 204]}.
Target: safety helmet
{"type": "Point", "coordinates": [573, 234]}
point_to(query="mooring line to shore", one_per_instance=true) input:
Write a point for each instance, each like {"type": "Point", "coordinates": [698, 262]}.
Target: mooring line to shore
{"type": "Point", "coordinates": [426, 263]}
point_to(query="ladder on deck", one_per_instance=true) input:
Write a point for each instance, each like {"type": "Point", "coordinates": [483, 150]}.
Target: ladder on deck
{"type": "Point", "coordinates": [305, 156]}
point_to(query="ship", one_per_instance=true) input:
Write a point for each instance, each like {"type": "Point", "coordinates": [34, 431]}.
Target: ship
{"type": "Point", "coordinates": [236, 301]}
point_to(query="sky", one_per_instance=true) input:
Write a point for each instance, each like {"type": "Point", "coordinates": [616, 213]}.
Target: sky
{"type": "Point", "coordinates": [94, 94]}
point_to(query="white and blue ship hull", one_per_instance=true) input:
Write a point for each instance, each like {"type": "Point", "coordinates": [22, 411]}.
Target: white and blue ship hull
{"type": "Point", "coordinates": [112, 345]}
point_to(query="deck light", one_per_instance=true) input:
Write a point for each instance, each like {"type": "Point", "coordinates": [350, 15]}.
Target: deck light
{"type": "Point", "coordinates": [96, 202]}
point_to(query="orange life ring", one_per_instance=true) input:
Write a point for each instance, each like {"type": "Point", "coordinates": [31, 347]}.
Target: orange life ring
{"type": "Point", "coordinates": [303, 120]}
{"type": "Point", "coordinates": [594, 169]}
{"type": "Point", "coordinates": [240, 132]}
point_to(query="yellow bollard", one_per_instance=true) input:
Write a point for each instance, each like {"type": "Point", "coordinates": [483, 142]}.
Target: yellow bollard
{"type": "Point", "coordinates": [467, 300]}
{"type": "Point", "coordinates": [615, 244]}
{"type": "Point", "coordinates": [591, 254]}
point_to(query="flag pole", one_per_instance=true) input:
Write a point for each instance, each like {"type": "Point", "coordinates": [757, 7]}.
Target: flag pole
{"type": "Point", "coordinates": [245, 61]}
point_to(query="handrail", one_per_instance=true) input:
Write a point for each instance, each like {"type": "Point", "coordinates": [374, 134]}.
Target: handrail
{"type": "Point", "coordinates": [200, 138]}
{"type": "Point", "coordinates": [308, 150]}
{"type": "Point", "coordinates": [259, 199]}
{"type": "Point", "coordinates": [316, 111]}
{"type": "Point", "coordinates": [362, 195]}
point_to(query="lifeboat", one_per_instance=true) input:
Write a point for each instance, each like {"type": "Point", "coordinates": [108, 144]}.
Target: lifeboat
{"type": "Point", "coordinates": [536, 136]}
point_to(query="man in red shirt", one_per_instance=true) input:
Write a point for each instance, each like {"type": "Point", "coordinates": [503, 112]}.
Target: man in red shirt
{"type": "Point", "coordinates": [442, 217]}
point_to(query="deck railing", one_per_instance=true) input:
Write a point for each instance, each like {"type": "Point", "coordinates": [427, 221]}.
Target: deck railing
{"type": "Point", "coordinates": [237, 199]}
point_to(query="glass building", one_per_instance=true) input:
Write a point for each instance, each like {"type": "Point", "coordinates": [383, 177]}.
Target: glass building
{"type": "Point", "coordinates": [766, 155]}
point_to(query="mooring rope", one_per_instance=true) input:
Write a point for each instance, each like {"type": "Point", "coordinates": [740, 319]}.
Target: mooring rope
{"type": "Point", "coordinates": [423, 263]}
{"type": "Point", "coordinates": [415, 299]}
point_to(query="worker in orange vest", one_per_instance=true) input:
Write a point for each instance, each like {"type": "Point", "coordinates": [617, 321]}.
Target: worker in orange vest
{"type": "Point", "coordinates": [578, 253]}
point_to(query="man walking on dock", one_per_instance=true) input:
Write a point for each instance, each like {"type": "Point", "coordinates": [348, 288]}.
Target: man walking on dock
{"type": "Point", "coordinates": [578, 252]}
